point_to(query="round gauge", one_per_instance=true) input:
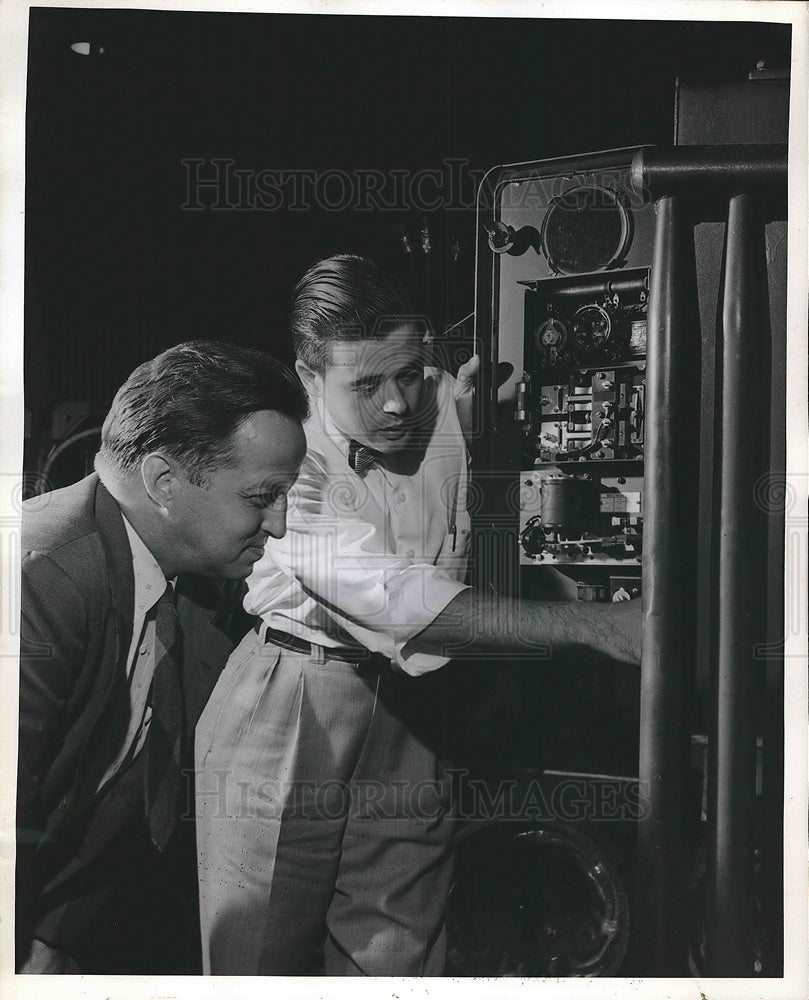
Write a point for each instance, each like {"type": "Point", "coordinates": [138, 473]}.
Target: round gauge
{"type": "Point", "coordinates": [546, 901]}
{"type": "Point", "coordinates": [551, 333]}
{"type": "Point", "coordinates": [586, 228]}
{"type": "Point", "coordinates": [592, 327]}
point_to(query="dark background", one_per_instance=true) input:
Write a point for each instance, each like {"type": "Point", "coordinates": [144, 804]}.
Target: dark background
{"type": "Point", "coordinates": [117, 270]}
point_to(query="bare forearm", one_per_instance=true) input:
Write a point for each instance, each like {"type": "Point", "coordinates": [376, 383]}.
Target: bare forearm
{"type": "Point", "coordinates": [482, 623]}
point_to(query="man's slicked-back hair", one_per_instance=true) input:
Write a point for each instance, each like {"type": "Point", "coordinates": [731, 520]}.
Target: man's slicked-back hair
{"type": "Point", "coordinates": [188, 401]}
{"type": "Point", "coordinates": [343, 298]}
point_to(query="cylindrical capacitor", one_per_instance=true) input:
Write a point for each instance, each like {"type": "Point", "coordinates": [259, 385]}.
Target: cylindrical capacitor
{"type": "Point", "coordinates": [568, 503]}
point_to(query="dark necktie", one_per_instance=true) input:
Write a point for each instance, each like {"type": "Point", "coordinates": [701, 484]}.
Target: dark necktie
{"type": "Point", "coordinates": [360, 458]}
{"type": "Point", "coordinates": [164, 743]}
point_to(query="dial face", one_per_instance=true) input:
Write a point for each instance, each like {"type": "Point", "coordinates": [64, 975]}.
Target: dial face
{"type": "Point", "coordinates": [591, 328]}
{"type": "Point", "coordinates": [551, 333]}
{"type": "Point", "coordinates": [587, 228]}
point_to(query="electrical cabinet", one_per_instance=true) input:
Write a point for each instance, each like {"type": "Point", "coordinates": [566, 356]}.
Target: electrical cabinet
{"type": "Point", "coordinates": [630, 308]}
{"type": "Point", "coordinates": [564, 252]}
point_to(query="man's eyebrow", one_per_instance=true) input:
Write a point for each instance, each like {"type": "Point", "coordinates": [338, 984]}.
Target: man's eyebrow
{"type": "Point", "coordinates": [365, 380]}
{"type": "Point", "coordinates": [268, 484]}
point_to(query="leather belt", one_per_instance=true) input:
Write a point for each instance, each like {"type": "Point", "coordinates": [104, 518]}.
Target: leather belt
{"type": "Point", "coordinates": [364, 660]}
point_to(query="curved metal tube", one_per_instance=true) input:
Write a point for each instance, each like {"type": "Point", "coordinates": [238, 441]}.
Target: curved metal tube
{"type": "Point", "coordinates": [655, 172]}
{"type": "Point", "coordinates": [742, 566]}
{"type": "Point", "coordinates": [669, 565]}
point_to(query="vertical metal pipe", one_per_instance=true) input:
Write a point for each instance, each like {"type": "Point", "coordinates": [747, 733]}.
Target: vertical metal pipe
{"type": "Point", "coordinates": [742, 582]}
{"type": "Point", "coordinates": [670, 492]}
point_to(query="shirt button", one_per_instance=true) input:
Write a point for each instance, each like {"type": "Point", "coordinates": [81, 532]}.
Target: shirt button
{"type": "Point", "coordinates": [410, 553]}
{"type": "Point", "coordinates": [402, 498]}
{"type": "Point", "coordinates": [144, 650]}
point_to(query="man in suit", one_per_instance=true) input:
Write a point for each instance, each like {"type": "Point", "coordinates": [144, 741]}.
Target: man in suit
{"type": "Point", "coordinates": [130, 583]}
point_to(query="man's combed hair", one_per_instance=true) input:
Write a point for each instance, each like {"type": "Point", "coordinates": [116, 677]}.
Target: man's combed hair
{"type": "Point", "coordinates": [343, 298]}
{"type": "Point", "coordinates": [188, 401]}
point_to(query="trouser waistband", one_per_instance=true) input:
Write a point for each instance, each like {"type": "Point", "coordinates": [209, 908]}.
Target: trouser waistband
{"type": "Point", "coordinates": [363, 659]}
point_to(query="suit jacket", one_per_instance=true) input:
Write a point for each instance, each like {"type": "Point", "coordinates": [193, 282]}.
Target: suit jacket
{"type": "Point", "coordinates": [77, 622]}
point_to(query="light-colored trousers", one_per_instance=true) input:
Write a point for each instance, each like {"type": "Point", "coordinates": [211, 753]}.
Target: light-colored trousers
{"type": "Point", "coordinates": [322, 820]}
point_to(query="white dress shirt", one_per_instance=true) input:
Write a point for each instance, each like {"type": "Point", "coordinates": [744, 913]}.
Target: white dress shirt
{"type": "Point", "coordinates": [149, 586]}
{"type": "Point", "coordinates": [370, 559]}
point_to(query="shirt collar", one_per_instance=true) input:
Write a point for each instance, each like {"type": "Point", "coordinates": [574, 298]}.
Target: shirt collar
{"type": "Point", "coordinates": [149, 579]}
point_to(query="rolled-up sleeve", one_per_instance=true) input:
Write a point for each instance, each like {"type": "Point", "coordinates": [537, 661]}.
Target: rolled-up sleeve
{"type": "Point", "coordinates": [335, 556]}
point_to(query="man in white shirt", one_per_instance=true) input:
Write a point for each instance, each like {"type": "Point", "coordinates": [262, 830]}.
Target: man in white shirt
{"type": "Point", "coordinates": [323, 818]}
{"type": "Point", "coordinates": [125, 628]}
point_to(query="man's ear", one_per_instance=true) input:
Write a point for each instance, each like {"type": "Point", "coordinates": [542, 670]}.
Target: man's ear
{"type": "Point", "coordinates": [310, 378]}
{"type": "Point", "coordinates": [159, 476]}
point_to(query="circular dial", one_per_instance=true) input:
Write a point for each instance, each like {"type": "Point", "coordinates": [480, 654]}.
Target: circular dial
{"type": "Point", "coordinates": [551, 333]}
{"type": "Point", "coordinates": [586, 228]}
{"type": "Point", "coordinates": [592, 327]}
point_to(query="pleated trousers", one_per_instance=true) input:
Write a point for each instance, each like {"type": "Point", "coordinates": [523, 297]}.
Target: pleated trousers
{"type": "Point", "coordinates": [324, 822]}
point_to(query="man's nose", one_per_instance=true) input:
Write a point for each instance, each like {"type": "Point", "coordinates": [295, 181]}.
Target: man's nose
{"type": "Point", "coordinates": [274, 522]}
{"type": "Point", "coordinates": [395, 403]}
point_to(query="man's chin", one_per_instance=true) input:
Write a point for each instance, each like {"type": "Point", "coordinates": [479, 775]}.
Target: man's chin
{"type": "Point", "coordinates": [388, 444]}
{"type": "Point", "coordinates": [239, 570]}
